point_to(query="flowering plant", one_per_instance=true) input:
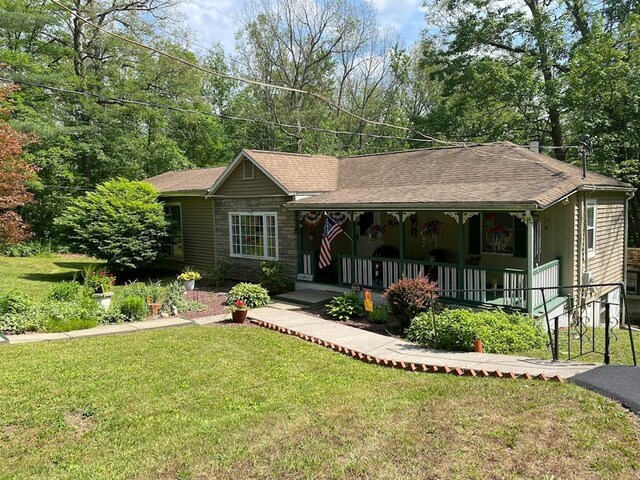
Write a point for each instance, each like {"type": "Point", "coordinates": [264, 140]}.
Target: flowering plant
{"type": "Point", "coordinates": [430, 231]}
{"type": "Point", "coordinates": [100, 281]}
{"type": "Point", "coordinates": [188, 275]}
{"type": "Point", "coordinates": [499, 236]}
{"type": "Point", "coordinates": [237, 306]}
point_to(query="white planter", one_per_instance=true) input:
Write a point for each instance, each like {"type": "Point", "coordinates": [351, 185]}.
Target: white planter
{"type": "Point", "coordinates": [189, 284]}
{"type": "Point", "coordinates": [103, 299]}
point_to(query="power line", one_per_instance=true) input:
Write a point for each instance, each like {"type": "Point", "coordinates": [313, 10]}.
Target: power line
{"type": "Point", "coordinates": [249, 81]}
{"type": "Point", "coordinates": [210, 114]}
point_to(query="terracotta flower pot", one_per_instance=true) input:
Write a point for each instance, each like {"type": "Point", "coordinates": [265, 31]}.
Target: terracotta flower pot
{"type": "Point", "coordinates": [239, 316]}
{"type": "Point", "coordinates": [477, 345]}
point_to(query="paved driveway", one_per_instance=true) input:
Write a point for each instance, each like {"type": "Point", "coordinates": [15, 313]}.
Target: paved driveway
{"type": "Point", "coordinates": [614, 381]}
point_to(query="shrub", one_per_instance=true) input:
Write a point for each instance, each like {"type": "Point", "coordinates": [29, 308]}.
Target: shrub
{"type": "Point", "coordinates": [154, 291]}
{"type": "Point", "coordinates": [133, 307]}
{"type": "Point", "coordinates": [346, 306]}
{"type": "Point", "coordinates": [379, 314]}
{"type": "Point", "coordinates": [456, 329]}
{"type": "Point", "coordinates": [275, 277]}
{"type": "Point", "coordinates": [250, 293]}
{"type": "Point", "coordinates": [121, 222]}
{"type": "Point", "coordinates": [410, 296]}
{"type": "Point", "coordinates": [65, 291]}
{"type": "Point", "coordinates": [215, 275]}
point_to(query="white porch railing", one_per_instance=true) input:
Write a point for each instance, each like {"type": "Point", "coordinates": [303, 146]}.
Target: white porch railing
{"type": "Point", "coordinates": [507, 287]}
{"type": "Point", "coordinates": [547, 275]}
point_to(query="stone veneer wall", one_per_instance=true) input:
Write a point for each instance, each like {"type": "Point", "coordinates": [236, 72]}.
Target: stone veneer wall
{"type": "Point", "coordinates": [248, 269]}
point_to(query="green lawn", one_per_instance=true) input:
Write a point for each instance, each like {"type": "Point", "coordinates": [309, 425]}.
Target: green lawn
{"type": "Point", "coordinates": [35, 275]}
{"type": "Point", "coordinates": [620, 347]}
{"type": "Point", "coordinates": [240, 402]}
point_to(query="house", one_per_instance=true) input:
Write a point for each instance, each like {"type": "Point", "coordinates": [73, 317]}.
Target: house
{"type": "Point", "coordinates": [485, 221]}
{"type": "Point", "coordinates": [632, 283]}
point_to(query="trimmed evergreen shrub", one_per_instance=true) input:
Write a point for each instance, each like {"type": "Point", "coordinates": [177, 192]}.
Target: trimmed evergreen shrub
{"type": "Point", "coordinates": [253, 295]}
{"type": "Point", "coordinates": [456, 329]}
{"type": "Point", "coordinates": [346, 306]}
{"type": "Point", "coordinates": [410, 296]}
{"type": "Point", "coordinates": [121, 222]}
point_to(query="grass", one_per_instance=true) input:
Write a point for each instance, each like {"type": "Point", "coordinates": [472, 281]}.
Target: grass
{"type": "Point", "coordinates": [620, 346]}
{"type": "Point", "coordinates": [238, 402]}
{"type": "Point", "coordinates": [35, 275]}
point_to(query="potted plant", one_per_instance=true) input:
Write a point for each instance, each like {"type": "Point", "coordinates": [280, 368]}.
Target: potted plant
{"type": "Point", "coordinates": [101, 282]}
{"type": "Point", "coordinates": [188, 278]}
{"type": "Point", "coordinates": [239, 310]}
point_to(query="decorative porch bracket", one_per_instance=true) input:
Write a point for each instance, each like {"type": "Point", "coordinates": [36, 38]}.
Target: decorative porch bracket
{"type": "Point", "coordinates": [465, 216]}
{"type": "Point", "coordinates": [524, 217]}
{"type": "Point", "coordinates": [355, 215]}
{"type": "Point", "coordinates": [401, 216]}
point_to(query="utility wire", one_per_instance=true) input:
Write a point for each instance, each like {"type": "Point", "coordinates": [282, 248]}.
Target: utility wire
{"type": "Point", "coordinates": [249, 81]}
{"type": "Point", "coordinates": [210, 114]}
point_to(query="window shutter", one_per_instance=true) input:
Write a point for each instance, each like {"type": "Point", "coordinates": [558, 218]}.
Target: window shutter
{"type": "Point", "coordinates": [474, 235]}
{"type": "Point", "coordinates": [519, 238]}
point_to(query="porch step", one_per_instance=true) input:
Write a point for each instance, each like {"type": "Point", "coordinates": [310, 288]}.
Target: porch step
{"type": "Point", "coordinates": [308, 298]}
{"type": "Point", "coordinates": [551, 306]}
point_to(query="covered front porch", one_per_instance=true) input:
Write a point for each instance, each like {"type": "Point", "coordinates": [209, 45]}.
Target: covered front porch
{"type": "Point", "coordinates": [477, 258]}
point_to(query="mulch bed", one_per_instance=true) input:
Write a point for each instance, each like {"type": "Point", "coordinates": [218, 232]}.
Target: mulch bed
{"type": "Point", "coordinates": [212, 297]}
{"type": "Point", "coordinates": [391, 329]}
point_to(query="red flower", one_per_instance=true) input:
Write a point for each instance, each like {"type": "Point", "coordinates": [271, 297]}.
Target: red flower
{"type": "Point", "coordinates": [239, 303]}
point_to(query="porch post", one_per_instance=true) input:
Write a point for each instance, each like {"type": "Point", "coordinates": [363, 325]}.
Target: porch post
{"type": "Point", "coordinates": [460, 254]}
{"type": "Point", "coordinates": [300, 241]}
{"type": "Point", "coordinates": [401, 243]}
{"type": "Point", "coordinates": [353, 249]}
{"type": "Point", "coordinates": [529, 261]}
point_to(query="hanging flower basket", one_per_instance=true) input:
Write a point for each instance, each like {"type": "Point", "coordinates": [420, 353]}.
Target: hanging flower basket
{"type": "Point", "coordinates": [430, 232]}
{"type": "Point", "coordinates": [375, 232]}
{"type": "Point", "coordinates": [499, 237]}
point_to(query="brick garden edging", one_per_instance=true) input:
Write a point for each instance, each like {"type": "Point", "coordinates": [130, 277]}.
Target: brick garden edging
{"type": "Point", "coordinates": [408, 366]}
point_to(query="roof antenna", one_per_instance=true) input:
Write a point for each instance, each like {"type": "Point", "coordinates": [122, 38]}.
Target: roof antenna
{"type": "Point", "coordinates": [585, 150]}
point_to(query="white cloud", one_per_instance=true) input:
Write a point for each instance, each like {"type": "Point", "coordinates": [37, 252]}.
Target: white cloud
{"type": "Point", "coordinates": [212, 21]}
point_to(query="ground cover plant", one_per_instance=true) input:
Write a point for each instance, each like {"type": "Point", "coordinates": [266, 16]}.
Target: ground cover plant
{"type": "Point", "coordinates": [225, 402]}
{"type": "Point", "coordinates": [457, 328]}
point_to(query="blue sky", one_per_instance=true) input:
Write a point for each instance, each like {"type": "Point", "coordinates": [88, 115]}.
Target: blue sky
{"type": "Point", "coordinates": [214, 20]}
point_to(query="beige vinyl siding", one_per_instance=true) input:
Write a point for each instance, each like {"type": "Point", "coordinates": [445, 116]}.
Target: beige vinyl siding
{"type": "Point", "coordinates": [259, 185]}
{"type": "Point", "coordinates": [197, 231]}
{"type": "Point", "coordinates": [558, 232]}
{"type": "Point", "coordinates": [607, 265]}
{"type": "Point", "coordinates": [608, 262]}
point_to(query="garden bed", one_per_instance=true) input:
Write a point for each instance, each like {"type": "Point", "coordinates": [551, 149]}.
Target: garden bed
{"type": "Point", "coordinates": [390, 329]}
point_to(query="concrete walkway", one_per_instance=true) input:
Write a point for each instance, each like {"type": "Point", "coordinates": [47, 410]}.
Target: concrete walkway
{"type": "Point", "coordinates": [113, 329]}
{"type": "Point", "coordinates": [382, 349]}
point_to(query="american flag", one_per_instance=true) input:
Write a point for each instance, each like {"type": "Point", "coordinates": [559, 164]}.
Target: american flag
{"type": "Point", "coordinates": [331, 231]}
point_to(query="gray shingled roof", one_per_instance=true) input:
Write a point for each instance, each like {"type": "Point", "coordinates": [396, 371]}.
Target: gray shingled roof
{"type": "Point", "coordinates": [299, 173]}
{"type": "Point", "coordinates": [494, 174]}
{"type": "Point", "coordinates": [470, 176]}
{"type": "Point", "coordinates": [196, 180]}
